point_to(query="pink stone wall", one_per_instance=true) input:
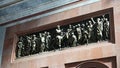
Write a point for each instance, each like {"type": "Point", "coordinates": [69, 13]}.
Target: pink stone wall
{"type": "Point", "coordinates": [60, 58]}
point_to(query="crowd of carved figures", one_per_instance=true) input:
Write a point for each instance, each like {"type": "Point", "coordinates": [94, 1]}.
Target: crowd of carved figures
{"type": "Point", "coordinates": [82, 33]}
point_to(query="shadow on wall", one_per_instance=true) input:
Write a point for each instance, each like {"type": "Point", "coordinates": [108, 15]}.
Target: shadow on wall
{"type": "Point", "coordinates": [95, 63]}
{"type": "Point", "coordinates": [2, 35]}
{"type": "Point", "coordinates": [92, 64]}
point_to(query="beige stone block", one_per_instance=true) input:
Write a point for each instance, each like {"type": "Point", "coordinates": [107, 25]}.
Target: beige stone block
{"type": "Point", "coordinates": [57, 66]}
{"type": "Point", "coordinates": [108, 50]}
{"type": "Point", "coordinates": [96, 52]}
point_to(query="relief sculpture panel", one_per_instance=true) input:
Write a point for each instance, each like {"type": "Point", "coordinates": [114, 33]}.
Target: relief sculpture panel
{"type": "Point", "coordinates": [91, 30]}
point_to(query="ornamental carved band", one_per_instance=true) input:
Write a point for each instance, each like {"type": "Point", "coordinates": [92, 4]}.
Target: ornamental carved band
{"type": "Point", "coordinates": [92, 30]}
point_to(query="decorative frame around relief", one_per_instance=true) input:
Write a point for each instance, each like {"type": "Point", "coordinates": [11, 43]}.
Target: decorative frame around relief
{"type": "Point", "coordinates": [73, 21]}
{"type": "Point", "coordinates": [65, 22]}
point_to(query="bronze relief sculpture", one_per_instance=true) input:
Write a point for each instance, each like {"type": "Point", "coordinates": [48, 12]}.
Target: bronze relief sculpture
{"type": "Point", "coordinates": [88, 31]}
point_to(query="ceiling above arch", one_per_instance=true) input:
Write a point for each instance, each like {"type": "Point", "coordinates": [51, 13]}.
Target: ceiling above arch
{"type": "Point", "coordinates": [14, 9]}
{"type": "Point", "coordinates": [19, 11]}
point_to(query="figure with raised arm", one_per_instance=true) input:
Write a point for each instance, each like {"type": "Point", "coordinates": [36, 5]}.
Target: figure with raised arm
{"type": "Point", "coordinates": [97, 28]}
{"type": "Point", "coordinates": [106, 28]}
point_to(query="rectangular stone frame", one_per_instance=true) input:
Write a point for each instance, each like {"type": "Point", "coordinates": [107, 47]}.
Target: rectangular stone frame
{"type": "Point", "coordinates": [13, 32]}
{"type": "Point", "coordinates": [74, 20]}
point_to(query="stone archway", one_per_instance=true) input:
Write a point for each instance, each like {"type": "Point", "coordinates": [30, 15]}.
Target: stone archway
{"type": "Point", "coordinates": [92, 64]}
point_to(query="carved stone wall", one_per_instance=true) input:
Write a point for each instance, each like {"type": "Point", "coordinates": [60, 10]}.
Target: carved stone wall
{"type": "Point", "coordinates": [60, 58]}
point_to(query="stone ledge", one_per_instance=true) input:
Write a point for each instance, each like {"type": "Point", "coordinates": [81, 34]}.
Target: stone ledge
{"type": "Point", "coordinates": [75, 51]}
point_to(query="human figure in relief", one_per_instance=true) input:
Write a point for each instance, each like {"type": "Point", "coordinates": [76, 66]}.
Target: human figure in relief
{"type": "Point", "coordinates": [59, 36]}
{"type": "Point", "coordinates": [74, 40]}
{"type": "Point", "coordinates": [97, 28]}
{"type": "Point", "coordinates": [47, 41]}
{"type": "Point", "coordinates": [79, 33]}
{"type": "Point", "coordinates": [34, 44]}
{"type": "Point", "coordinates": [89, 28]}
{"type": "Point", "coordinates": [43, 42]}
{"type": "Point", "coordinates": [106, 28]}
{"type": "Point", "coordinates": [84, 35]}
{"type": "Point", "coordinates": [20, 47]}
{"type": "Point", "coordinates": [28, 46]}
{"type": "Point", "coordinates": [66, 38]}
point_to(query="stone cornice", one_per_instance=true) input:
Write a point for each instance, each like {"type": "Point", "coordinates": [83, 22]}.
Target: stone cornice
{"type": "Point", "coordinates": [29, 7]}
{"type": "Point", "coordinates": [45, 9]}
